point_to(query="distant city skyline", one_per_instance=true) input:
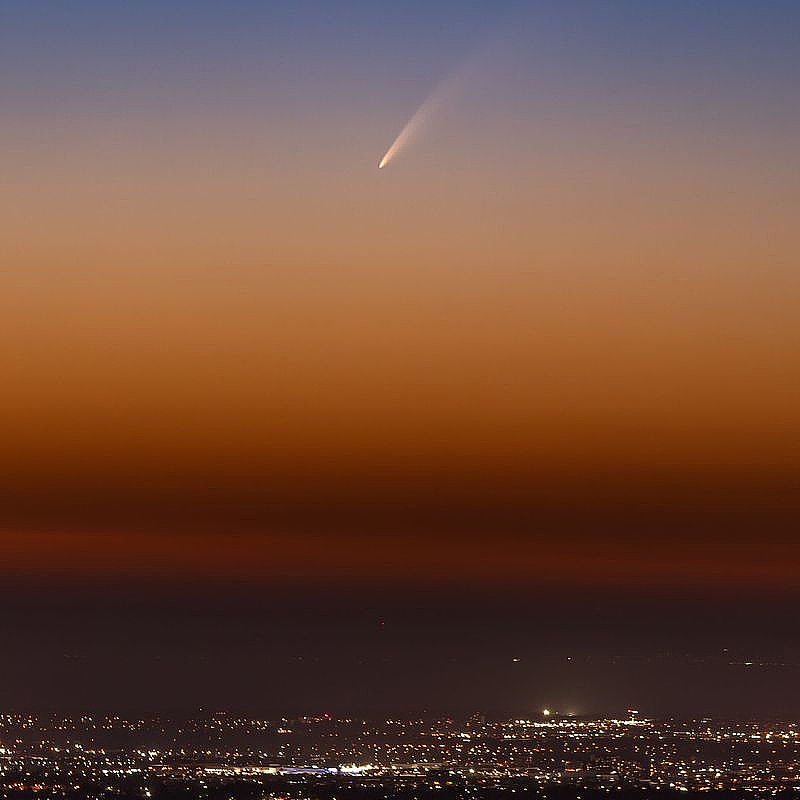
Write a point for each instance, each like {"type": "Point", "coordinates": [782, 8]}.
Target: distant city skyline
{"type": "Point", "coordinates": [325, 755]}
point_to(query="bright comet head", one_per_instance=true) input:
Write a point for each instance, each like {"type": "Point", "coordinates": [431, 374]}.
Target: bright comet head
{"type": "Point", "coordinates": [403, 137]}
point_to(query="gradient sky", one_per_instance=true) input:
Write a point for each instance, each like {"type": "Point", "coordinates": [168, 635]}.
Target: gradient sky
{"type": "Point", "coordinates": [554, 342]}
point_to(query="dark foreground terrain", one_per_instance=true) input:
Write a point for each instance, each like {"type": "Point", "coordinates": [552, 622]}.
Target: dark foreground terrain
{"type": "Point", "coordinates": [321, 757]}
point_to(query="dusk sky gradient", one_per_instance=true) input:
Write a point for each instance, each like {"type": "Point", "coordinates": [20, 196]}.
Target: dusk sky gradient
{"type": "Point", "coordinates": [554, 343]}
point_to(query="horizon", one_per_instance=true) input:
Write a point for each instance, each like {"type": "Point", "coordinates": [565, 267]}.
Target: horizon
{"type": "Point", "coordinates": [278, 423]}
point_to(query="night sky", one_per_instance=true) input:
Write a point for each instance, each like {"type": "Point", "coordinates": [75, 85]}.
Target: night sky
{"type": "Point", "coordinates": [283, 431]}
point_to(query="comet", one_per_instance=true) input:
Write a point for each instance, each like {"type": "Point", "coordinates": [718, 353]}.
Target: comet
{"type": "Point", "coordinates": [412, 127]}
{"type": "Point", "coordinates": [443, 93]}
{"type": "Point", "coordinates": [417, 120]}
